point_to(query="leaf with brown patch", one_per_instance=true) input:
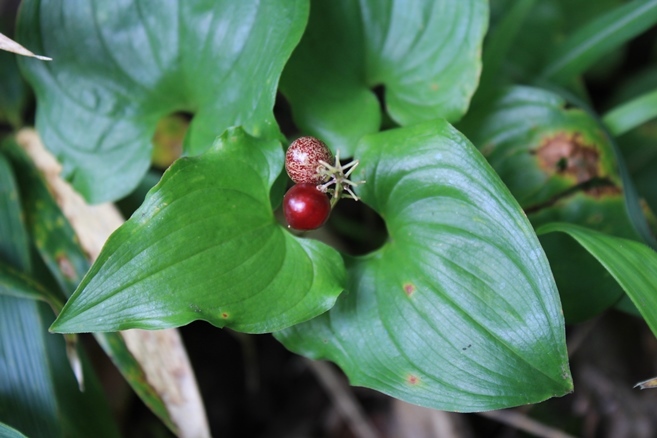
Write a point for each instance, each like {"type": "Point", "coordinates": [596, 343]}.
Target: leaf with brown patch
{"type": "Point", "coordinates": [541, 149]}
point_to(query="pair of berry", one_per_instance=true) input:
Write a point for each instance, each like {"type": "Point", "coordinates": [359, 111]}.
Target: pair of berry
{"type": "Point", "coordinates": [308, 163]}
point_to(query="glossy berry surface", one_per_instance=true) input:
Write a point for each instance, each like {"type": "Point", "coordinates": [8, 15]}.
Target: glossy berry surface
{"type": "Point", "coordinates": [303, 157]}
{"type": "Point", "coordinates": [305, 207]}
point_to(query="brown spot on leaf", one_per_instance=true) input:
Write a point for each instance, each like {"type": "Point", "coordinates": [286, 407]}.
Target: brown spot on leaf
{"type": "Point", "coordinates": [409, 289]}
{"type": "Point", "coordinates": [567, 154]}
{"type": "Point", "coordinates": [66, 267]}
{"type": "Point", "coordinates": [224, 315]}
{"type": "Point", "coordinates": [413, 379]}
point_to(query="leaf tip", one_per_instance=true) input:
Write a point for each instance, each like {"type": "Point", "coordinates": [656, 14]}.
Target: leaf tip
{"type": "Point", "coordinates": [54, 327]}
{"type": "Point", "coordinates": [647, 384]}
{"type": "Point", "coordinates": [64, 325]}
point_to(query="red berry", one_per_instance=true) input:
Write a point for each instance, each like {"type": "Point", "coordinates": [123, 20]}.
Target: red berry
{"type": "Point", "coordinates": [305, 207]}
{"type": "Point", "coordinates": [303, 157]}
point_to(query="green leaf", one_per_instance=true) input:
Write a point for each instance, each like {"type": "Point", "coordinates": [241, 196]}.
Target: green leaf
{"type": "Point", "coordinates": [577, 13]}
{"type": "Point", "coordinates": [585, 287]}
{"type": "Point", "coordinates": [633, 265]}
{"type": "Point", "coordinates": [26, 381]}
{"type": "Point", "coordinates": [561, 166]}
{"type": "Point", "coordinates": [13, 247]}
{"type": "Point", "coordinates": [602, 35]}
{"type": "Point", "coordinates": [205, 245]}
{"type": "Point", "coordinates": [13, 90]}
{"type": "Point", "coordinates": [500, 39]}
{"type": "Point", "coordinates": [539, 148]}
{"type": "Point", "coordinates": [425, 53]}
{"type": "Point", "coordinates": [14, 93]}
{"type": "Point", "coordinates": [19, 285]}
{"type": "Point", "coordinates": [541, 30]}
{"type": "Point", "coordinates": [640, 153]}
{"type": "Point", "coordinates": [115, 347]}
{"type": "Point", "coordinates": [50, 231]}
{"type": "Point", "coordinates": [120, 67]}
{"type": "Point", "coordinates": [632, 114]}
{"type": "Point", "coordinates": [38, 392]}
{"type": "Point", "coordinates": [57, 245]}
{"type": "Point", "coordinates": [9, 432]}
{"type": "Point", "coordinates": [458, 310]}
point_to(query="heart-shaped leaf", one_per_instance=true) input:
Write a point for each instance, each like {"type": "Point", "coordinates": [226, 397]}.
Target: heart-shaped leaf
{"type": "Point", "coordinates": [205, 245]}
{"type": "Point", "coordinates": [120, 67]}
{"type": "Point", "coordinates": [425, 53]}
{"type": "Point", "coordinates": [458, 310]}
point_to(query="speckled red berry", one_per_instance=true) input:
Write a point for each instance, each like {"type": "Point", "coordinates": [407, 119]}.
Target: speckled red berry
{"type": "Point", "coordinates": [303, 157]}
{"type": "Point", "coordinates": [305, 207]}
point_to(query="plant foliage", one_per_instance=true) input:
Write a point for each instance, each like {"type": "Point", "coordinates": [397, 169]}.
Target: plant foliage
{"type": "Point", "coordinates": [465, 146]}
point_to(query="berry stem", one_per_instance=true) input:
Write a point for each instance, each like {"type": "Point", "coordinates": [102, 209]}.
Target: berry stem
{"type": "Point", "coordinates": [335, 176]}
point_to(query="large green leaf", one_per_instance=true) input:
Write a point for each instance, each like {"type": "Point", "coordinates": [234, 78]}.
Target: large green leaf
{"type": "Point", "coordinates": [38, 391]}
{"type": "Point", "coordinates": [57, 245]}
{"type": "Point", "coordinates": [205, 245]}
{"type": "Point", "coordinates": [120, 66]}
{"type": "Point", "coordinates": [425, 53]}
{"type": "Point", "coordinates": [458, 310]}
{"type": "Point", "coordinates": [632, 264]}
{"type": "Point", "coordinates": [561, 166]}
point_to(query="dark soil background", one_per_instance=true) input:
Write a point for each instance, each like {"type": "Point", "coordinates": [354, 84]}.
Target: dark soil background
{"type": "Point", "coordinates": [253, 387]}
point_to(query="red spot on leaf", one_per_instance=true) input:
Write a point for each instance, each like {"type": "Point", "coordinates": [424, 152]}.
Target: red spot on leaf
{"type": "Point", "coordinates": [413, 379]}
{"type": "Point", "coordinates": [409, 289]}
